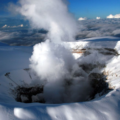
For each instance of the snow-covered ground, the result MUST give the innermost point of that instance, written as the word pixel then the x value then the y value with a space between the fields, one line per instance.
pixel 14 62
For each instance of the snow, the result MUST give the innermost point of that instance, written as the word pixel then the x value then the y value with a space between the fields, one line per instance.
pixel 13 58
pixel 105 108
pixel 16 61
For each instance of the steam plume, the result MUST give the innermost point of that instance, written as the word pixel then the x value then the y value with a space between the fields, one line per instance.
pixel 51 15
pixel 53 61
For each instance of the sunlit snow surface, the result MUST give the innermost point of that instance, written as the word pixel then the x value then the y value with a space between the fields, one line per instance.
pixel 16 59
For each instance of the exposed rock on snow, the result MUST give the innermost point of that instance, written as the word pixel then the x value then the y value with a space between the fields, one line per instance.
pixel 105 51
pixel 29 94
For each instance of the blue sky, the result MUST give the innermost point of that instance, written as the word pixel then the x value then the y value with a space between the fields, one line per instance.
pixel 94 8
pixel 82 8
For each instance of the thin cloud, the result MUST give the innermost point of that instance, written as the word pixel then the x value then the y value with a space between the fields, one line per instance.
pixel 6 26
pixel 99 28
pixel 81 18
pixel 113 16
pixel 98 18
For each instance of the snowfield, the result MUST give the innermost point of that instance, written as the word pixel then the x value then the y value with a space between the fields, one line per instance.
pixel 14 62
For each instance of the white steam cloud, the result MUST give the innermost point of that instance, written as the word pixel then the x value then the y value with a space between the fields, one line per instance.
pixel 52 61
pixel 51 15
pixel 57 68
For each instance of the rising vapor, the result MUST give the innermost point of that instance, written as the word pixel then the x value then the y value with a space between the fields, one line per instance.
pixel 53 61
pixel 52 15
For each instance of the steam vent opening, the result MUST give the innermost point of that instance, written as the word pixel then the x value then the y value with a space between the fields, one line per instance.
pixel 87 83
pixel 36 93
